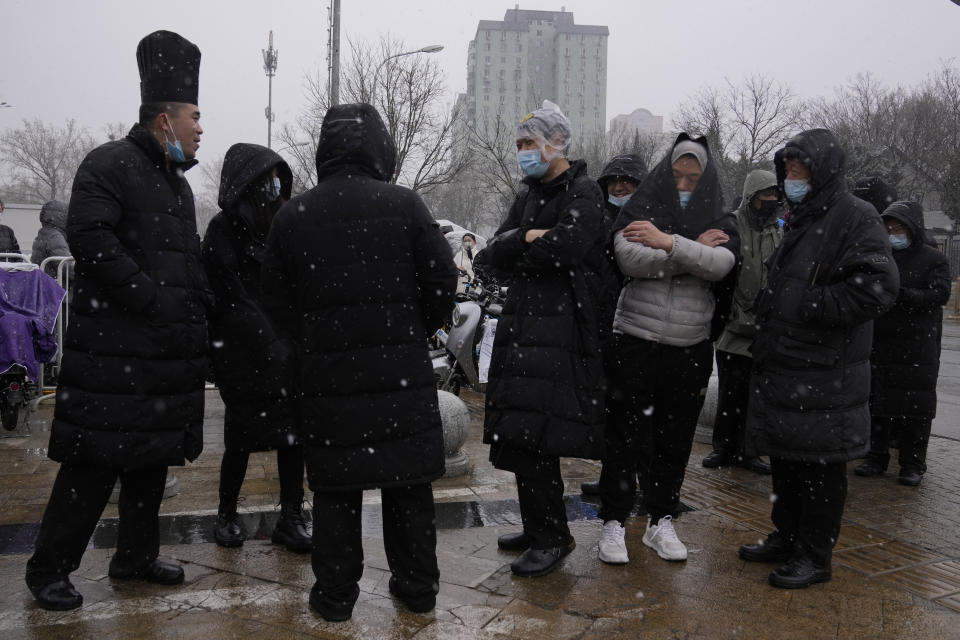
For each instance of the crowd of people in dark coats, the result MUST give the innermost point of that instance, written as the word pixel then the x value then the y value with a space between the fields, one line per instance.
pixel 619 290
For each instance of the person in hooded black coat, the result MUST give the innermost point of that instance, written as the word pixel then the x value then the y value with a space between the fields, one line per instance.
pixel 356 277
pixel 618 180
pixel 250 363
pixel 905 360
pixel 130 398
pixel 8 239
pixel 678 248
pixel 830 277
pixel 545 395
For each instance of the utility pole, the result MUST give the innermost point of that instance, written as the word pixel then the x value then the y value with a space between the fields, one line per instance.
pixel 333 52
pixel 270 56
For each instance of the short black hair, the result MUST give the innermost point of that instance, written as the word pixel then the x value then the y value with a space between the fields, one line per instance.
pixel 469 235
pixel 150 110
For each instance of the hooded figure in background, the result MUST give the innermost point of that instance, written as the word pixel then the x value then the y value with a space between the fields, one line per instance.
pixel 356 278
pixel 545 398
pixel 905 360
pixel 130 398
pixel 876 191
pixel 251 365
pixel 760 232
pixel 51 240
pixel 675 244
pixel 619 180
pixel 831 276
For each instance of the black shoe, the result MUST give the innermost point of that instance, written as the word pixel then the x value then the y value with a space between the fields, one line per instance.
pixel 755 464
pixel 800 572
pixel 157 572
pixel 869 468
pixel 716 458
pixel 58 596
pixel 291 530
pixel 590 488
pixel 776 548
pixel 513 542
pixel 540 562
pixel 227 531
pixel 423 604
pixel 910 477
pixel 339 612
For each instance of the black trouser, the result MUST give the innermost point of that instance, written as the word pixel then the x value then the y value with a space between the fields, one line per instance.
pixel 808 503
pixel 233 469
pixel 409 537
pixel 79 495
pixel 542 511
pixel 733 393
pixel 914 436
pixel 656 417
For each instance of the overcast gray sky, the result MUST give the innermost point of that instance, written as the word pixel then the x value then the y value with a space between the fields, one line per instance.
pixel 75 59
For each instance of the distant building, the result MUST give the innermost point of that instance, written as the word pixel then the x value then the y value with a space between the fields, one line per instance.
pixel 640 120
pixel 529 56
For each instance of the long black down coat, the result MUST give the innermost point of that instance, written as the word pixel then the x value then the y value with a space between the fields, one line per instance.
pixel 827 281
pixel 357 275
pixel 135 358
pixel 906 340
pixel 546 389
pixel 250 363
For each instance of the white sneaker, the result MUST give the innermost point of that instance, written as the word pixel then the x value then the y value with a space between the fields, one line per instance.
pixel 613 549
pixel 662 538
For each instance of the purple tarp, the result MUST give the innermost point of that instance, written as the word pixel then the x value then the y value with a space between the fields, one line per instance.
pixel 29 304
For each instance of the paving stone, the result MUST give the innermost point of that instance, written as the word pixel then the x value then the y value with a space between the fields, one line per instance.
pixel 524 621
pixel 929 581
pixel 885 557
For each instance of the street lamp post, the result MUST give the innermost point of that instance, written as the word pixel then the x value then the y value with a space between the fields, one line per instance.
pixel 270 56
pixel 433 48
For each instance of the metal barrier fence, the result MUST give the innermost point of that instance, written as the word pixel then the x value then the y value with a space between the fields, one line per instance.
pixel 64 265
pixel 950 246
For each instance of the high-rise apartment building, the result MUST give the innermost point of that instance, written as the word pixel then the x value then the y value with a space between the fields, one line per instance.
pixel 529 56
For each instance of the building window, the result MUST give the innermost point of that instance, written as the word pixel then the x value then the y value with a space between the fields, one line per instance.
pixel 486 59
pixel 487 34
pixel 503 59
pixel 539 32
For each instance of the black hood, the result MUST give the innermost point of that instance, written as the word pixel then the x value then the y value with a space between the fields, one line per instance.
pixel 820 150
pixel 629 165
pixel 910 215
pixel 54 214
pixel 875 191
pixel 244 163
pixel 354 135
pixel 657 200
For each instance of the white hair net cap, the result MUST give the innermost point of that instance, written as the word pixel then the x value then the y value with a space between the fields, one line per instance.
pixel 546 123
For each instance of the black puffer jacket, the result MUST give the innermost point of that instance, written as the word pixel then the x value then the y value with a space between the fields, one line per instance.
pixel 906 340
pixel 251 365
pixel 8 240
pixel 829 278
pixel 356 276
pixel 546 389
pixel 131 389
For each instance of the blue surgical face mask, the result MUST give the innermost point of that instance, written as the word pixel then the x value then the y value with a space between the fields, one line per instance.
pixel 273 189
pixel 796 190
pixel 530 163
pixel 899 241
pixel 174 150
pixel 618 201
pixel 684 198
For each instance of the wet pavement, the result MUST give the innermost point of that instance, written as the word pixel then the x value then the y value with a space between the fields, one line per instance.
pixel 896 571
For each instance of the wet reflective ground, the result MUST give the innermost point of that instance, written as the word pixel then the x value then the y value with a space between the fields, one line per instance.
pixel 896 569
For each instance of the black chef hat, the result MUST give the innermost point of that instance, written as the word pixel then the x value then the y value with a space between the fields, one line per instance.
pixel 169 68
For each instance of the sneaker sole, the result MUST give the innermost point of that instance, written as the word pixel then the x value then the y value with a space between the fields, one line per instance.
pixel 659 553
pixel 616 560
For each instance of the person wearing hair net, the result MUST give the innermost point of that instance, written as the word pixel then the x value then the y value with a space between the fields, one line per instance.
pixel 545 397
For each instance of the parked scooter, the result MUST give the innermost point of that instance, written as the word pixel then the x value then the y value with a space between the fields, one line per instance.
pixel 460 351
pixel 16 390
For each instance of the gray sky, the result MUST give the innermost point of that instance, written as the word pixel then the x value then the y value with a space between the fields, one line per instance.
pixel 75 59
